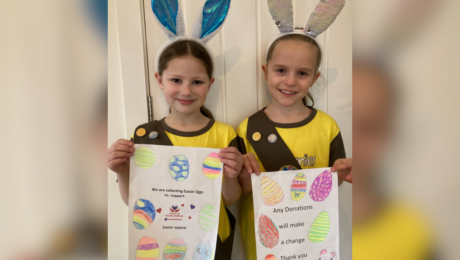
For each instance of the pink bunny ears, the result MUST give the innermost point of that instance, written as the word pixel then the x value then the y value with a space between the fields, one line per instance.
pixel 321 18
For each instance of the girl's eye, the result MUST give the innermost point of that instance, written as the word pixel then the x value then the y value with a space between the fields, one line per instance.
pixel 303 73
pixel 175 80
pixel 280 70
pixel 197 82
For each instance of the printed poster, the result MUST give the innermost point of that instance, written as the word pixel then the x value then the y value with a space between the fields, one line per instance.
pixel 296 214
pixel 174 202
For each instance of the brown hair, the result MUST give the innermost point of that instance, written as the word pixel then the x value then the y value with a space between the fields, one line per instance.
pixel 301 38
pixel 187 48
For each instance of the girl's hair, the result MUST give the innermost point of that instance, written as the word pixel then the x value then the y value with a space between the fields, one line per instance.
pixel 301 38
pixel 187 48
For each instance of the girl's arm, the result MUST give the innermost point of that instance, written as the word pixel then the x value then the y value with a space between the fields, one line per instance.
pixel 250 166
pixel 344 169
pixel 233 162
pixel 118 161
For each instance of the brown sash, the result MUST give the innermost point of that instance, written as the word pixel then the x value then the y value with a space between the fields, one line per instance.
pixel 274 156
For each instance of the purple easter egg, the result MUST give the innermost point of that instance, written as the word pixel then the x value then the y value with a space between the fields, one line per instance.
pixel 322 186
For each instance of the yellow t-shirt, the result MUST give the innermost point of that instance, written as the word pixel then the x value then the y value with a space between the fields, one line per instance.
pixel 214 135
pixel 397 232
pixel 315 142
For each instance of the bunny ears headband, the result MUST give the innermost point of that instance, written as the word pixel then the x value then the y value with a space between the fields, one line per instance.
pixel 321 18
pixel 170 18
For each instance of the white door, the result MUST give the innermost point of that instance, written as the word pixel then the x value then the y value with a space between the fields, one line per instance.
pixel 239 89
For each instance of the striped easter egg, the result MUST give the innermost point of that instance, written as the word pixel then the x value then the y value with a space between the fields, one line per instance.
pixel 268 232
pixel 175 249
pixel 322 186
pixel 143 214
pixel 179 168
pixel 147 249
pixel 208 218
pixel 298 186
pixel 319 228
pixel 212 166
pixel 271 257
pixel 144 157
pixel 271 191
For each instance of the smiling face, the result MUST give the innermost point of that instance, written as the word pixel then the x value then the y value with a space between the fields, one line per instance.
pixel 185 83
pixel 291 71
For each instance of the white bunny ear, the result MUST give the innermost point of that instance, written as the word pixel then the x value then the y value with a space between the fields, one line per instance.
pixel 169 16
pixel 211 20
pixel 281 11
pixel 323 16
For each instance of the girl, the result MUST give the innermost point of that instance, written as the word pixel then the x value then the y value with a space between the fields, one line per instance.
pixel 185 75
pixel 288 134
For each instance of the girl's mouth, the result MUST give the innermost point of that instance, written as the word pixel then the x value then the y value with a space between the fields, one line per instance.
pixel 287 93
pixel 186 101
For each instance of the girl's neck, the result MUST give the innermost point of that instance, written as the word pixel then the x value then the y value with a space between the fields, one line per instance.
pixel 186 122
pixel 287 115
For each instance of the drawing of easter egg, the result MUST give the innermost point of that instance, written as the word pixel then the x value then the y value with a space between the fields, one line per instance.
pixel 271 257
pixel 147 249
pixel 319 228
pixel 203 252
pixel 298 186
pixel 322 186
pixel 212 166
pixel 175 249
pixel 268 232
pixel 143 214
pixel 288 168
pixel 144 157
pixel 271 191
pixel 179 168
pixel 208 218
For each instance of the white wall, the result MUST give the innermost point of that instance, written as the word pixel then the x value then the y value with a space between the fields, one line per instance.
pixel 239 89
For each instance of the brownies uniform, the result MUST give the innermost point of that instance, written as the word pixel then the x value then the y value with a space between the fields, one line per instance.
pixel 314 142
pixel 213 135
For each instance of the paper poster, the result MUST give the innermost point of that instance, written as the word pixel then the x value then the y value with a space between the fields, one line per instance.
pixel 174 202
pixel 296 214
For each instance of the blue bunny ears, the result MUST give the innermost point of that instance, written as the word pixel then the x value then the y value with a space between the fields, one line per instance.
pixel 169 16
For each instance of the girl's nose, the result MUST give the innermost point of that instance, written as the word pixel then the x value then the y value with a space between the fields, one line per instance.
pixel 186 90
pixel 290 80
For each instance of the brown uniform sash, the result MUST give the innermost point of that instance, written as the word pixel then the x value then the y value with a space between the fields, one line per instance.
pixel 274 156
pixel 223 250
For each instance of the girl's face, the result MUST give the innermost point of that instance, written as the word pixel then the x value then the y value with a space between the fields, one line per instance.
pixel 291 72
pixel 185 84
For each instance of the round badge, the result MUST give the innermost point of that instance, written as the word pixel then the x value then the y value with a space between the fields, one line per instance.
pixel 288 168
pixel 256 136
pixel 140 132
pixel 272 138
pixel 153 135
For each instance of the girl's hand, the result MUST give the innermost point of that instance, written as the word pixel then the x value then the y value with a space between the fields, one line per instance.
pixel 233 161
pixel 250 165
pixel 119 154
pixel 344 169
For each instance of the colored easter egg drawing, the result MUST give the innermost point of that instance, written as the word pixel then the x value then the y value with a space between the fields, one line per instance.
pixel 271 191
pixel 208 217
pixel 143 214
pixel 322 186
pixel 271 257
pixel 144 157
pixel 175 250
pixel 179 168
pixel 327 254
pixel 288 168
pixel 147 249
pixel 320 228
pixel 268 232
pixel 298 186
pixel 203 252
pixel 212 166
